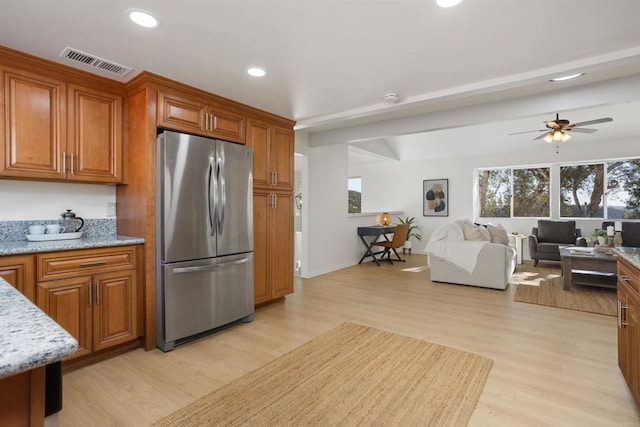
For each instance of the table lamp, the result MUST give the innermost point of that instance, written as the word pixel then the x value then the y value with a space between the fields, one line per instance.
pixel 385 219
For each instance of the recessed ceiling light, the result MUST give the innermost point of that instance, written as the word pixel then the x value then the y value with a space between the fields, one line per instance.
pixel 447 3
pixel 256 72
pixel 563 78
pixel 142 18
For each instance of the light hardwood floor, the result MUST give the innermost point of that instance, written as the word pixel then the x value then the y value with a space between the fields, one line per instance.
pixel 552 367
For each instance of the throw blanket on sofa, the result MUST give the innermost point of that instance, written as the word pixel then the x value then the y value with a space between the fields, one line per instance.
pixel 448 244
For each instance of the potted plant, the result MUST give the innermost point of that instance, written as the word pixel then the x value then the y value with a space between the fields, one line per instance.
pixel 411 231
pixel 599 237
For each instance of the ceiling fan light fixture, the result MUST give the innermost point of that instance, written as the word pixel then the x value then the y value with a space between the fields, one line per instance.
pixel 548 138
pixel 569 77
pixel 557 135
pixel 566 137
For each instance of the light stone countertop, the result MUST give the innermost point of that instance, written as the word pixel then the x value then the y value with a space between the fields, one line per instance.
pixel 29 338
pixel 631 255
pixel 26 247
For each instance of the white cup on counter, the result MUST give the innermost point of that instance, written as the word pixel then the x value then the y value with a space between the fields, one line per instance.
pixel 36 229
pixel 54 229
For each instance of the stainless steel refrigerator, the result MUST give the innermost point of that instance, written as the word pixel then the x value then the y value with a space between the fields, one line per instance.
pixel 204 236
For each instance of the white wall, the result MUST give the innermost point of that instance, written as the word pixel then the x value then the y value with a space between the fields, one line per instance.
pixel 35 200
pixel 332 239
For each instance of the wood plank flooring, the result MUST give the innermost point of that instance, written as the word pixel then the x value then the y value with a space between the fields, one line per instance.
pixel 552 367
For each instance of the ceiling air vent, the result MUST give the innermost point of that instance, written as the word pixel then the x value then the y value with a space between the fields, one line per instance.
pixel 93 61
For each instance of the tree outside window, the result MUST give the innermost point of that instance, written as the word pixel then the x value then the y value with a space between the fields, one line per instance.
pixel 494 190
pixel 623 189
pixel 531 192
pixel 581 191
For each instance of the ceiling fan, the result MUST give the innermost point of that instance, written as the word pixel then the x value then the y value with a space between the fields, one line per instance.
pixel 556 130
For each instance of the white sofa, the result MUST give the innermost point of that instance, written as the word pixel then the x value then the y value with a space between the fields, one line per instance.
pixel 465 254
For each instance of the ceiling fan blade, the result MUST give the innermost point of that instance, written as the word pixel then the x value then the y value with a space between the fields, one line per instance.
pixel 593 122
pixel 529 131
pixel 541 136
pixel 552 125
pixel 584 130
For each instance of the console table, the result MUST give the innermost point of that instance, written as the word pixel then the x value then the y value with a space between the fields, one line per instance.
pixel 374 231
pixel 592 268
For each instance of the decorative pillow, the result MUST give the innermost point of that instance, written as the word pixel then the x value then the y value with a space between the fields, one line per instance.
pixel 474 232
pixel 498 234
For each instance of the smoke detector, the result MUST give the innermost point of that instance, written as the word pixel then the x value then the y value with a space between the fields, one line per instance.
pixel 391 98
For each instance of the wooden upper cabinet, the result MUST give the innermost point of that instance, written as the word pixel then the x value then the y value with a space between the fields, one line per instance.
pixel 283 151
pixel 196 116
pixel 94 136
pixel 59 130
pixel 273 150
pixel 259 138
pixel 33 126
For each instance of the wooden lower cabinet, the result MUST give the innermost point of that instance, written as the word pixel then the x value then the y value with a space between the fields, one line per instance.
pixel 18 270
pixel 98 308
pixel 628 330
pixel 273 245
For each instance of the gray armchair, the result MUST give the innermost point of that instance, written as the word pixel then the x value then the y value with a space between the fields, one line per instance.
pixel 548 236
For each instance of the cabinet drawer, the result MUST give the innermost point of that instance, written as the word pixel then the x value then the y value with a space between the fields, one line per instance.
pixel 57 265
pixel 628 275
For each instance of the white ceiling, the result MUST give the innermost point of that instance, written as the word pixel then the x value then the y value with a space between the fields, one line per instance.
pixel 330 62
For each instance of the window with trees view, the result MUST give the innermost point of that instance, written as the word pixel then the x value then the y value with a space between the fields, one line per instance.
pixel 604 190
pixel 608 190
pixel 525 192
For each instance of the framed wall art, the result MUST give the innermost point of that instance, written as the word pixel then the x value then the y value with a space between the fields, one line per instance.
pixel 435 197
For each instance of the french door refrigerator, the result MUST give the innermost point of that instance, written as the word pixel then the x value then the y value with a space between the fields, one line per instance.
pixel 204 236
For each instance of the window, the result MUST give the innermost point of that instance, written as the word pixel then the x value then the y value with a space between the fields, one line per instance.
pixel 494 190
pixel 531 192
pixel 354 185
pixel 581 191
pixel 605 190
pixel 623 190
pixel 528 189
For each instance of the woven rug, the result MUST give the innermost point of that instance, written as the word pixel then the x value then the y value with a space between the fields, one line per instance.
pixel 543 286
pixel 350 375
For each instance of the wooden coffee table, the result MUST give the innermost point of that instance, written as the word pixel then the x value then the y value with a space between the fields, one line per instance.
pixel 592 268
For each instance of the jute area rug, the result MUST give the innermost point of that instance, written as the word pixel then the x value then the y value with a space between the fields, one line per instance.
pixel 544 286
pixel 350 375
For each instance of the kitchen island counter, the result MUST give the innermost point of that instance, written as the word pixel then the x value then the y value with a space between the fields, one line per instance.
pixel 26 247
pixel 29 337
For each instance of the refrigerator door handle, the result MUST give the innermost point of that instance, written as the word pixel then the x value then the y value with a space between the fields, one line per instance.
pixel 213 194
pixel 222 206
pixel 209 267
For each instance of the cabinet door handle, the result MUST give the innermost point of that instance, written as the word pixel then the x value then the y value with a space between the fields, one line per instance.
pixel 275 201
pixel 621 307
pixel 276 178
pixel 72 161
pixel 97 293
pixel 92 263
pixel 64 162
pixel 206 121
pixel 214 122
pixel 90 293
